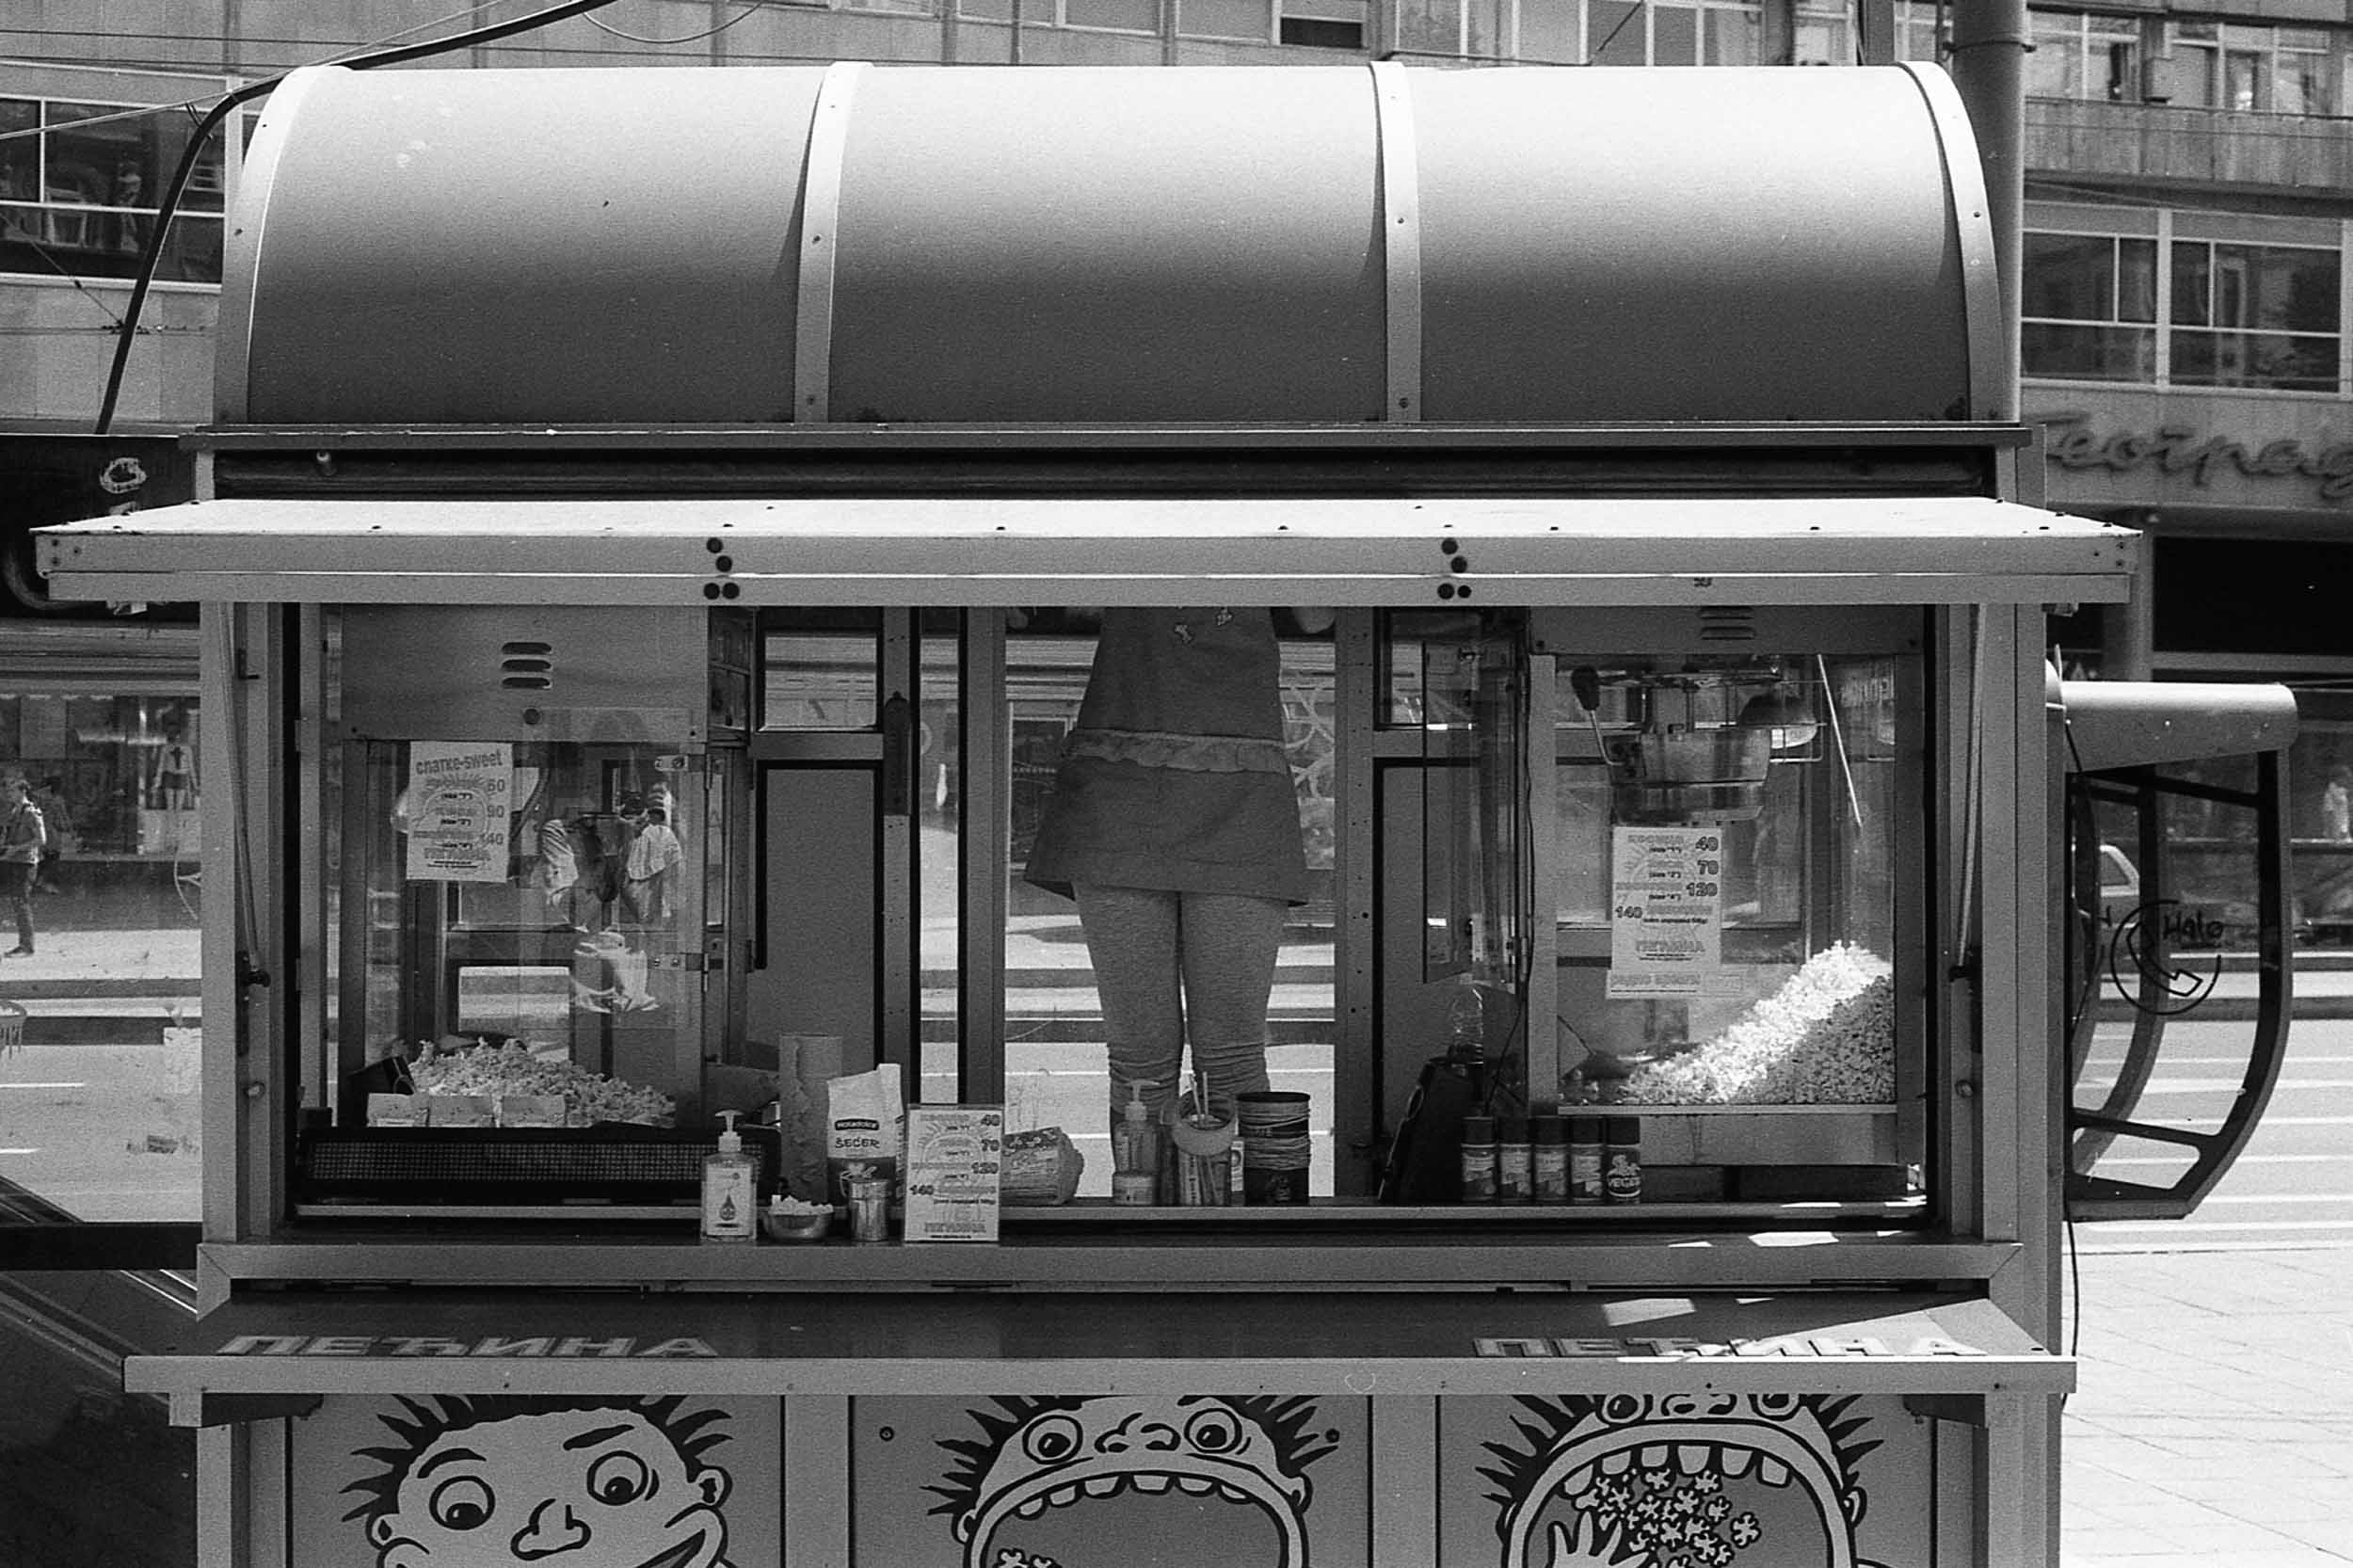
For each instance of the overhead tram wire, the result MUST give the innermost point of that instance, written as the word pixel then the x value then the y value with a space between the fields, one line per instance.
pixel 150 255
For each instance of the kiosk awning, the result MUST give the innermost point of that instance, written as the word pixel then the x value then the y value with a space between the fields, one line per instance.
pixel 899 551
pixel 1412 1343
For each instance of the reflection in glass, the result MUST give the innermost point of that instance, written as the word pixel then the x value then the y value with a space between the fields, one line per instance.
pixel 821 674
pixel 100 1025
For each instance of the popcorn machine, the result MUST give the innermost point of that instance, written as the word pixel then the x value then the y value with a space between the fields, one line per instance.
pixel 1674 762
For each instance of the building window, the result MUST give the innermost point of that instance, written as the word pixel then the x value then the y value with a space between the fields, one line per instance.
pixel 2192 313
pixel 2090 307
pixel 2252 68
pixel 1923 31
pixel 1587 32
pixel 2079 56
pixel 2254 315
pixel 79 185
pixel 1821 36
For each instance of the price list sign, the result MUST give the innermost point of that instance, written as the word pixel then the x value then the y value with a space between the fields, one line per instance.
pixel 956 1157
pixel 1666 911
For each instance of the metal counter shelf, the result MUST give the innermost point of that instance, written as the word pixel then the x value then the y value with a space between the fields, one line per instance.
pixel 1155 1258
pixel 263 1358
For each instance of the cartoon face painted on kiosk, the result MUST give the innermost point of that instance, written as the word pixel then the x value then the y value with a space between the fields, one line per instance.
pixel 1703 1479
pixel 493 1481
pixel 1194 1479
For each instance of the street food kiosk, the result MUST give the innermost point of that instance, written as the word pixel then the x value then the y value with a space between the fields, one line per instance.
pixel 737 446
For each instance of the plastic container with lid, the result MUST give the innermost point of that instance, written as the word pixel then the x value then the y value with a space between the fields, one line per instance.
pixel 1515 1174
pixel 1478 1160
pixel 1548 1155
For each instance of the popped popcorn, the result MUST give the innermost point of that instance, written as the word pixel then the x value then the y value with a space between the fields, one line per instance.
pixel 513 1068
pixel 1826 1037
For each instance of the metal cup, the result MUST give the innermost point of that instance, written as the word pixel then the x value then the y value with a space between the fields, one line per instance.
pixel 869 1207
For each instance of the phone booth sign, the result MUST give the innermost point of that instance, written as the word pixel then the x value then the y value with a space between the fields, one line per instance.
pixel 665 610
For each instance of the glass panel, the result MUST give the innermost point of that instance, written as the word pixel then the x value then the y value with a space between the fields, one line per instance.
pixel 2091 353
pixel 1129 16
pixel 2284 287
pixel 1057 1059
pixel 985 11
pixel 102 1030
pixel 2272 360
pixel 1822 40
pixel 2193 284
pixel 1548 35
pixel 528 906
pixel 1732 37
pixel 1423 26
pixel 938 857
pixel 1487 20
pixel 2300 84
pixel 2071 277
pixel 1918 31
pixel 2054 67
pixel 2242 79
pixel 2136 280
pixel 1615 34
pixel 1242 19
pixel 1765 976
pixel 821 672
pixel 1674 36
pixel 20 153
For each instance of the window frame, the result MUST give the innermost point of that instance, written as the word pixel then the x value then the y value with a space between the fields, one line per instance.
pixel 2170 333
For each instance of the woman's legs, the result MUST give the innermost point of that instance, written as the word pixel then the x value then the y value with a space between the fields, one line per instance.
pixel 1227 943
pixel 1170 966
pixel 1132 940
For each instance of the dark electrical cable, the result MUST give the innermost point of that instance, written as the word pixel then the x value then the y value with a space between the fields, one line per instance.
pixel 151 255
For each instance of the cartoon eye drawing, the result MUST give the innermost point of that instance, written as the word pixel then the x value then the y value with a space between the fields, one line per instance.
pixel 618 1479
pixel 1214 1431
pixel 1624 1409
pixel 461 1503
pixel 1776 1405
pixel 1052 1440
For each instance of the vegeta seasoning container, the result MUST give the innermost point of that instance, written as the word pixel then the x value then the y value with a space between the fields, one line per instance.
pixel 1622 1161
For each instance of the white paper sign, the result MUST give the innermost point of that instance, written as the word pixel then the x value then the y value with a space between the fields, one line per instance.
pixel 455 807
pixel 954 1156
pixel 1666 911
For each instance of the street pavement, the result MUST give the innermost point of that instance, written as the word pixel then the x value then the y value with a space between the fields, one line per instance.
pixel 2212 1423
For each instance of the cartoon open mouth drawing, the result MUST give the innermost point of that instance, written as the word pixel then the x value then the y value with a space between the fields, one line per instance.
pixel 1220 1477
pixel 1693 1480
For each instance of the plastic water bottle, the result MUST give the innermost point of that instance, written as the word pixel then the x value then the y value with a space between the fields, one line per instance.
pixel 1466 1022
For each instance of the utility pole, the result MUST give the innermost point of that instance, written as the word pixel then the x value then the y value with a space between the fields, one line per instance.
pixel 1990 43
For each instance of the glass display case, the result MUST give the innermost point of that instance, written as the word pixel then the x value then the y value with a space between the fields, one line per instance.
pixel 1732 860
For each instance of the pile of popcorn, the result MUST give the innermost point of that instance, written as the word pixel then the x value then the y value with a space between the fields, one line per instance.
pixel 1827 1037
pixel 490 1070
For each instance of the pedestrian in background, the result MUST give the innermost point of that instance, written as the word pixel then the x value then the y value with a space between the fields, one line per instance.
pixel 22 838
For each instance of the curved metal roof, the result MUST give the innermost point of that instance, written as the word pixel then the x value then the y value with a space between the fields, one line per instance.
pixel 857 244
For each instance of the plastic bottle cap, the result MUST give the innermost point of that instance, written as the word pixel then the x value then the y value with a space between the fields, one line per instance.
pixel 731 1140
pixel 1549 1129
pixel 1516 1130
pixel 1479 1130
pixel 1625 1129
pixel 1585 1130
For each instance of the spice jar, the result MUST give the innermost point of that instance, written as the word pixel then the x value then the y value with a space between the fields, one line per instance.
pixel 1515 1179
pixel 1585 1164
pixel 1622 1161
pixel 1549 1157
pixel 1478 1160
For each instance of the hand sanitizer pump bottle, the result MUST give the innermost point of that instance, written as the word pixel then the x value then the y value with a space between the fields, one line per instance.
pixel 1136 1150
pixel 729 1213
